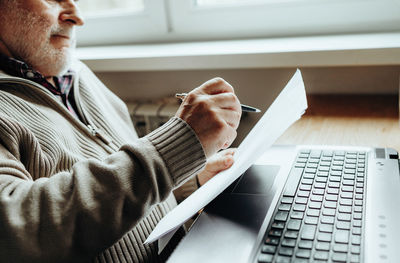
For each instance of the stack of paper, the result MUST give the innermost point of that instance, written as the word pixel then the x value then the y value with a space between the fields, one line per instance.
pixel 287 108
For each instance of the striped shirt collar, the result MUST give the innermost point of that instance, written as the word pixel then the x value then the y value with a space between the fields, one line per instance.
pixel 63 84
pixel 21 69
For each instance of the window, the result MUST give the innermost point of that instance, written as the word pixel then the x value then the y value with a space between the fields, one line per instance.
pixel 121 21
pixel 110 7
pixel 190 20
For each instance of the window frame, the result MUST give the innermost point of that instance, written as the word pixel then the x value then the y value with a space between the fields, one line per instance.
pixel 182 20
pixel 134 27
pixel 266 20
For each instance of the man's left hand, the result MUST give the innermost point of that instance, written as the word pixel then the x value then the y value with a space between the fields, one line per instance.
pixel 217 163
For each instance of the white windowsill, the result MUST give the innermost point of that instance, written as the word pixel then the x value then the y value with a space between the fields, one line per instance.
pixel 340 50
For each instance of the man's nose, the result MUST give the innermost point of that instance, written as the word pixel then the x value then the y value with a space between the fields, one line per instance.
pixel 71 13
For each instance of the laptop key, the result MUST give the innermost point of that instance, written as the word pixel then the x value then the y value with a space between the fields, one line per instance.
pixel 283 259
pixel 356 230
pixel 346 195
pixel 358 202
pixel 328 212
pixel 275 233
pixel 323 246
pixel 357 223
pixel 334 184
pixel 307 181
pixel 265 258
pixel 286 251
pixel 334 191
pixel 287 200
pixel 313 164
pixel 308 232
pixel 354 258
pixel 330 204
pixel 356 240
pixel 292 182
pixel 294 224
pixel 301 200
pixel 291 234
pixel 327 228
pixel 299 207
pixel 347 188
pixel 300 165
pixel 343 225
pixel 320 185
pixel 321 255
pixel 272 241
pixel 303 193
pixel 355 249
pixel 334 179
pixel 348 182
pixel 325 237
pixel 336 173
pixel 297 215
pixel 303 253
pixel 340 248
pixel 344 217
pixel 323 173
pixel 357 216
pixel 345 209
pixel 308 176
pixel 284 207
pixel 305 187
pixel 317 198
pixel 313 212
pixel 331 197
pixel 318 191
pixel 321 179
pixel 315 205
pixel 288 242
pixel 349 176
pixel 328 219
pixel 306 244
pixel 268 249
pixel 339 257
pixel 342 236
pixel 311 220
pixel 281 216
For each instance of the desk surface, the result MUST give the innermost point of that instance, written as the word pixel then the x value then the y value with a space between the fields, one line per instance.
pixel 363 120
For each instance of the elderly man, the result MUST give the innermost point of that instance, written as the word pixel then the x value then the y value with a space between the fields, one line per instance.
pixel 76 184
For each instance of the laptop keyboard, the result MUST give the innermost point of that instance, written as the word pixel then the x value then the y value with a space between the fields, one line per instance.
pixel 319 217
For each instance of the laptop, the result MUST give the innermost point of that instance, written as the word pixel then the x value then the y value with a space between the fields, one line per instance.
pixel 303 204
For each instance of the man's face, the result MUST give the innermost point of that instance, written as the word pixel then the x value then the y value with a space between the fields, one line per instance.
pixel 40 32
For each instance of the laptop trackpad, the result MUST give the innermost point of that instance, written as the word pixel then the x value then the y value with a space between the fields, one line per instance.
pixel 231 222
pixel 258 179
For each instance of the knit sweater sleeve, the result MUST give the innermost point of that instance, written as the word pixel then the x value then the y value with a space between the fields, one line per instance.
pixel 71 216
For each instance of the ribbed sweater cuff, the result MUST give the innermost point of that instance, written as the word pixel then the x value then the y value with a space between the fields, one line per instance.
pixel 180 148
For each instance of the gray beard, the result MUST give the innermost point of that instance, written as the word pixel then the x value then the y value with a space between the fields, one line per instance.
pixel 39 53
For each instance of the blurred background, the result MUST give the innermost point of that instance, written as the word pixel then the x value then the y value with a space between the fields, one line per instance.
pixel 147 50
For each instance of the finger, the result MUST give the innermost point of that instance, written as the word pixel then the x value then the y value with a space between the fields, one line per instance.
pixel 214 166
pixel 216 86
pixel 229 151
pixel 219 164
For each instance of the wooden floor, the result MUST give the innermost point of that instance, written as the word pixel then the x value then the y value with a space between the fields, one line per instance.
pixel 363 120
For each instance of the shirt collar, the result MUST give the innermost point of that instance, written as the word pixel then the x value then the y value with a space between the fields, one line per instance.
pixel 21 69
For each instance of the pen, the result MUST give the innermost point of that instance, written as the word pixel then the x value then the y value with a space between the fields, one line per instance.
pixel 245 108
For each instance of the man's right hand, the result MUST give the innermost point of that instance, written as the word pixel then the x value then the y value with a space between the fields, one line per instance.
pixel 213 111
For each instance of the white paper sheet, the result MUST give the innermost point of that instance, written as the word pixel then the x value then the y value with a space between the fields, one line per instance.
pixel 287 108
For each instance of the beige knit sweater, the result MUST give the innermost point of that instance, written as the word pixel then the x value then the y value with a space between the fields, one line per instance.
pixel 70 190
